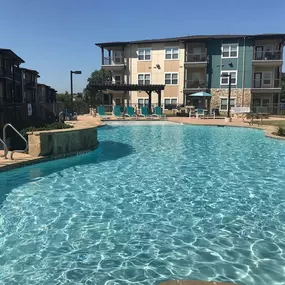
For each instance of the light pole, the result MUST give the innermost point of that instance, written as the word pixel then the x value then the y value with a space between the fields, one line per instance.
pixel 229 75
pixel 71 84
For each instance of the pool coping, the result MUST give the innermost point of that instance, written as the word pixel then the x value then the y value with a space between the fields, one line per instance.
pixel 42 159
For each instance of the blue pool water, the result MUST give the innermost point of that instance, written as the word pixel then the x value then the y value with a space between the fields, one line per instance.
pixel 152 203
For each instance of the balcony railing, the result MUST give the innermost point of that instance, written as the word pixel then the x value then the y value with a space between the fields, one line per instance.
pixel 30 83
pixel 267 55
pixel 196 57
pixel 113 60
pixel 259 83
pixel 6 72
pixel 195 84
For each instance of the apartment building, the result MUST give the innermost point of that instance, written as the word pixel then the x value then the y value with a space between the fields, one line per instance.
pixel 10 77
pixel 190 64
pixel 18 92
pixel 45 94
pixel 29 85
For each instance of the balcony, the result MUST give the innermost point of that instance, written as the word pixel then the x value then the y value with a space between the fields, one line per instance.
pixel 30 84
pixel 267 58
pixel 18 76
pixel 196 60
pixel 6 72
pixel 264 86
pixel 113 63
pixel 195 85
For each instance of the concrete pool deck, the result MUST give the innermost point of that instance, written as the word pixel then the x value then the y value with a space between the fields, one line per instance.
pixel 22 159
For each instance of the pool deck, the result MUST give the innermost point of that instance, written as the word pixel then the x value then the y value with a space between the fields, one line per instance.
pixel 22 159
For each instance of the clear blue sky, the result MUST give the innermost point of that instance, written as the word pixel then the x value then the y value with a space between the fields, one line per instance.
pixel 55 36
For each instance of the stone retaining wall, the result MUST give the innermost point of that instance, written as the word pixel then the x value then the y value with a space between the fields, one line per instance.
pixel 237 93
pixel 56 142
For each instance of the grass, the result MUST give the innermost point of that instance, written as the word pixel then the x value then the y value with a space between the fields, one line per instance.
pixel 277 123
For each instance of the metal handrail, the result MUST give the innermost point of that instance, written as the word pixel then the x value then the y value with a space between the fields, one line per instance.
pixel 4 138
pixel 5 148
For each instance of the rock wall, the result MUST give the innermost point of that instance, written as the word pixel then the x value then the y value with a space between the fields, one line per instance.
pixel 236 93
pixel 56 142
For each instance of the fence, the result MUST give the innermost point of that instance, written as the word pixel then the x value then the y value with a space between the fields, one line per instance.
pixel 24 115
pixel 277 109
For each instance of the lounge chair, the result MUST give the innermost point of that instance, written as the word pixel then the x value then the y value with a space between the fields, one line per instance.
pixel 158 112
pixel 117 111
pixel 131 112
pixel 200 113
pixel 101 112
pixel 144 112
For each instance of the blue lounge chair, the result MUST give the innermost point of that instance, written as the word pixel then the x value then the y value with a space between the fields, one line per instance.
pixel 158 112
pixel 144 112
pixel 131 112
pixel 101 112
pixel 117 111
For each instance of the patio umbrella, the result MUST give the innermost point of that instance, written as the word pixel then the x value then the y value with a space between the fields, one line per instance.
pixel 204 95
pixel 201 94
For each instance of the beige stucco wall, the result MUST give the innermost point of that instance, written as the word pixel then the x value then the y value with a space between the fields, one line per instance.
pixel 66 141
pixel 157 67
pixel 237 93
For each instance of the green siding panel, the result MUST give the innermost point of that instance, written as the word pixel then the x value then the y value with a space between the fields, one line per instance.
pixel 217 64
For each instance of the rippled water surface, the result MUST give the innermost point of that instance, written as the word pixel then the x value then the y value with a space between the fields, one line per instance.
pixel 152 203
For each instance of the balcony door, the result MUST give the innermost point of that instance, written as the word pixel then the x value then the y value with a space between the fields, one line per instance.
pixel 197 51
pixel 259 52
pixel 257 80
pixel 196 79
pixel 117 57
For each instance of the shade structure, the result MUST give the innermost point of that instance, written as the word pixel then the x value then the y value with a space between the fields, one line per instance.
pixel 201 94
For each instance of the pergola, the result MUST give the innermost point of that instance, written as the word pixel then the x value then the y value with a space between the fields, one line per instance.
pixel 148 88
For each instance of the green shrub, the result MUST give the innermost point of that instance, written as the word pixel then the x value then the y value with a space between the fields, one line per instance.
pixel 53 126
pixel 280 132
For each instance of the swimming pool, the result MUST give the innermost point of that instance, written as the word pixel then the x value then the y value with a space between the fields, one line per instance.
pixel 151 203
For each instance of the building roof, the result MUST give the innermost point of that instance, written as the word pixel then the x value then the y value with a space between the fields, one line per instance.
pixel 12 54
pixel 41 84
pixel 30 70
pixel 189 38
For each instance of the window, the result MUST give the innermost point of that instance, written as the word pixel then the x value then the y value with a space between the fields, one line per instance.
pixel 144 54
pixel 225 79
pixel 229 50
pixel 144 78
pixel 142 103
pixel 224 103
pixel 171 78
pixel 171 53
pixel 170 104
pixel 117 79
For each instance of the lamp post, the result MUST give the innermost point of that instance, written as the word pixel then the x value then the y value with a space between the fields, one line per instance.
pixel 229 75
pixel 71 84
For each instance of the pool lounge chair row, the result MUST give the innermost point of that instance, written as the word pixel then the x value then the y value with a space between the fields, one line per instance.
pixel 130 112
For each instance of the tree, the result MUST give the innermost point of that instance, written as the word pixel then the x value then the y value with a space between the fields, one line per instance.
pixel 63 97
pixel 96 77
